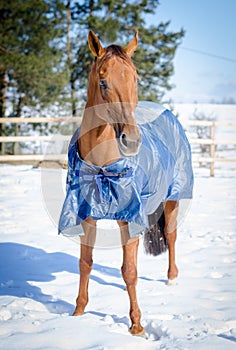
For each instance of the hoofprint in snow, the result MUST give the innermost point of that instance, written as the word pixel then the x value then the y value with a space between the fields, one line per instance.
pixel 39 274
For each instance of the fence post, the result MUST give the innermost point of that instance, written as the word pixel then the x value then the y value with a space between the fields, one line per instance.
pixel 2 144
pixel 16 144
pixel 212 149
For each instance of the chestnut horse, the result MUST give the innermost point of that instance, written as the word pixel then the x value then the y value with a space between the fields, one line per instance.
pixel 105 137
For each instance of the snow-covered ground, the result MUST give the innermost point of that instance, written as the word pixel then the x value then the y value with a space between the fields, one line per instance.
pixel 39 274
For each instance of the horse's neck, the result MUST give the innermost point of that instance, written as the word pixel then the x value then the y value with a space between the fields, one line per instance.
pixel 97 141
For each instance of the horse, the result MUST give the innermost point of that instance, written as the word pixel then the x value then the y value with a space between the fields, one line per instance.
pixel 107 139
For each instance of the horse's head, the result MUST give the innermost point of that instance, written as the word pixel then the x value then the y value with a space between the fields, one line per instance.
pixel 112 91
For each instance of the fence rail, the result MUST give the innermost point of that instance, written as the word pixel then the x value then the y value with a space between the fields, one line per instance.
pixel 212 141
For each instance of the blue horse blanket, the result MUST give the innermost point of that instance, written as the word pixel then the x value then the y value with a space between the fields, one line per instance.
pixel 131 188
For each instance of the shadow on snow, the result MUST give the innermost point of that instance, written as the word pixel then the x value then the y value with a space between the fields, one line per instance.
pixel 20 264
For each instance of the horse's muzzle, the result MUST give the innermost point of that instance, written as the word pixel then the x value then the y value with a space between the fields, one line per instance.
pixel 129 143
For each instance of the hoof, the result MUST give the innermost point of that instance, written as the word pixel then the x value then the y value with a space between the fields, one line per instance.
pixel 172 282
pixel 137 330
pixel 79 311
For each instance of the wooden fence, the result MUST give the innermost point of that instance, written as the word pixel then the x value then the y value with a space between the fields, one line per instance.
pixel 6 158
pixel 212 141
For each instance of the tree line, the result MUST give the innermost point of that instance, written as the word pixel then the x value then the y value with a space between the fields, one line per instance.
pixel 45 60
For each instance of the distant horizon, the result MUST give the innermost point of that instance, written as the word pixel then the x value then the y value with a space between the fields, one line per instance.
pixel 204 103
pixel 230 102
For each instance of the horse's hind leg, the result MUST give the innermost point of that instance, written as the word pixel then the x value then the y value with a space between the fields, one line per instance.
pixel 171 212
pixel 129 273
pixel 85 264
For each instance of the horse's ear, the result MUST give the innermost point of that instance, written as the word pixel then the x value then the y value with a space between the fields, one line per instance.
pixel 95 45
pixel 131 47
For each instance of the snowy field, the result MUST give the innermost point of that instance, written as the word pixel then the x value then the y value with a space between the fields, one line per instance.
pixel 39 274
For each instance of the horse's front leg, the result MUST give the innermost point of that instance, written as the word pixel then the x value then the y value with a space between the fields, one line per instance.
pixel 130 276
pixel 85 264
pixel 171 212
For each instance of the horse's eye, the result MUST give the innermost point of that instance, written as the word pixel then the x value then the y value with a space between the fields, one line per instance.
pixel 103 84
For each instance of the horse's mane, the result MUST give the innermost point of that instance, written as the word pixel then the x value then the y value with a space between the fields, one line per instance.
pixel 116 50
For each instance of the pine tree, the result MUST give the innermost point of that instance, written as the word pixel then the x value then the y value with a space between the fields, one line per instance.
pixel 32 71
pixel 43 48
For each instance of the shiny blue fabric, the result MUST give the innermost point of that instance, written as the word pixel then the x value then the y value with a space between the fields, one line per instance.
pixel 130 188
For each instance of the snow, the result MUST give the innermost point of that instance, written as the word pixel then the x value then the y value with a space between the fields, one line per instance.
pixel 39 274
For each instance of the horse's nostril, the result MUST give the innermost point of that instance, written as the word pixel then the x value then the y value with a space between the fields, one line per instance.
pixel 129 144
pixel 124 140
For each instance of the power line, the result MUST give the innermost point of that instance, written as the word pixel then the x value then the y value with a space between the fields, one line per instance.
pixel 208 54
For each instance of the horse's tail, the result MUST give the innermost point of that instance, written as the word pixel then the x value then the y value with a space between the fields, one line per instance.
pixel 154 237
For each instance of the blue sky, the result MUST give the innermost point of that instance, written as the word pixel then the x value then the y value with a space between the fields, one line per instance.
pixel 210 27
